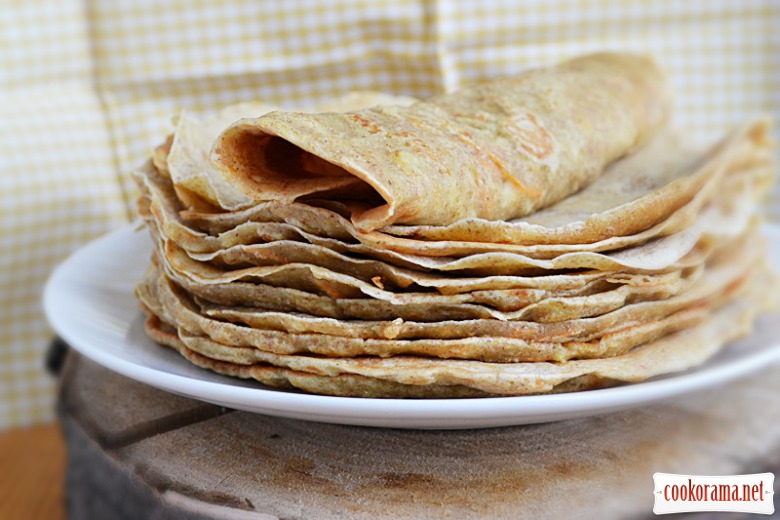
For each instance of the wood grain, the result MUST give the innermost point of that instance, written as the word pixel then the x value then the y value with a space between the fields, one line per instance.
pixel 32 462
pixel 194 460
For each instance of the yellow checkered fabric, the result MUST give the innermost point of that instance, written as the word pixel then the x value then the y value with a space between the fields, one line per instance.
pixel 88 87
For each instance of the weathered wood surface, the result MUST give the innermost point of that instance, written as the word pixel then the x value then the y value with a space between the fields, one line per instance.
pixel 136 452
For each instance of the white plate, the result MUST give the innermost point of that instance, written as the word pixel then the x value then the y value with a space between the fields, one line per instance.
pixel 89 301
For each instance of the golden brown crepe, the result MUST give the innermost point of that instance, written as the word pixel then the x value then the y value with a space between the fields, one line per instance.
pixel 490 340
pixel 657 191
pixel 544 233
pixel 184 157
pixel 497 150
pixel 431 377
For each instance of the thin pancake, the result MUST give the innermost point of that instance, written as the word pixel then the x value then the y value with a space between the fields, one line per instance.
pixel 496 150
pixel 185 157
pixel 487 340
pixel 421 307
pixel 694 187
pixel 719 274
pixel 670 353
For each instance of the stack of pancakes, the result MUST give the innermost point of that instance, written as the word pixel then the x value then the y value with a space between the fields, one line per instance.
pixel 545 233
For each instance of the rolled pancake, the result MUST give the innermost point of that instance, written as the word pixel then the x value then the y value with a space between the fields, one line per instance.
pixel 640 191
pixel 671 353
pixel 198 188
pixel 185 154
pixel 497 150
pixel 669 193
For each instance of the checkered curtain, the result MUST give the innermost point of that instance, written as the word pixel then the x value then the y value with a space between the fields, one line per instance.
pixel 87 88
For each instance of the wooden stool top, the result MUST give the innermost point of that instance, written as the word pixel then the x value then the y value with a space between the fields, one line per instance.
pixel 220 463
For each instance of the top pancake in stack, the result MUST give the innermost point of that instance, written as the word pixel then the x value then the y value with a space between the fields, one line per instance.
pixel 534 234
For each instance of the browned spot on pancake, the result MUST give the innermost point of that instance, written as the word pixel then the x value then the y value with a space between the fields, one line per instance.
pixel 365 123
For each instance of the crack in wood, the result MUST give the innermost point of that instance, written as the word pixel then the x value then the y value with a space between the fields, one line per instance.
pixel 74 402
pixel 162 425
